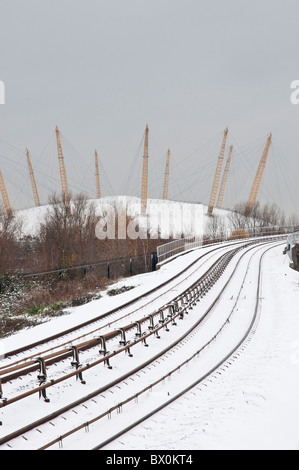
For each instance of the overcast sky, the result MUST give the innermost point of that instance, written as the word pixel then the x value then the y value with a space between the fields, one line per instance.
pixel 102 69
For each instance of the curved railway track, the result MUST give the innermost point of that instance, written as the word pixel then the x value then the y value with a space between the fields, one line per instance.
pixel 132 305
pixel 147 329
pixel 219 367
pixel 51 354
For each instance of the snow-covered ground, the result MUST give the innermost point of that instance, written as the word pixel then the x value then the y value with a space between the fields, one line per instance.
pixel 142 283
pixel 252 405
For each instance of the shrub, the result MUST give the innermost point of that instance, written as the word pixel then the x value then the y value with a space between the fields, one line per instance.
pixel 120 290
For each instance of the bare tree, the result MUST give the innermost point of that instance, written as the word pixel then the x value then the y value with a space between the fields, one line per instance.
pixel 214 228
pixel 268 215
pixel 237 217
pixel 67 238
pixel 10 230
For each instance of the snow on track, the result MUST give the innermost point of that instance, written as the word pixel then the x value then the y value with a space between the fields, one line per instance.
pixel 254 403
pixel 189 431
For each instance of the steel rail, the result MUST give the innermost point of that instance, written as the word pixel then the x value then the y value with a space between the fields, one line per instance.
pixel 29 364
pixel 161 379
pixel 202 378
pixel 27 428
pixel 116 309
pixel 53 382
pixel 151 359
pixel 107 357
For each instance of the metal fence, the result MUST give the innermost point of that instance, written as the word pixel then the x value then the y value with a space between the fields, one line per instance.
pixel 111 269
pixel 175 247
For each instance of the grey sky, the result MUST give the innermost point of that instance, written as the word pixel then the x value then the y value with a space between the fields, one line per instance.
pixel 101 70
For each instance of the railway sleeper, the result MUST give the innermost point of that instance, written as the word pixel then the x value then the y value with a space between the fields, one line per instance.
pixel 171 314
pixel 183 306
pixel 152 326
pixel 76 363
pixel 203 288
pixel 163 319
pixel 103 351
pixel 182 301
pixel 42 377
pixel 196 295
pixel 123 341
pixel 175 306
pixel 139 333
pixel 182 312
pixel 185 299
pixel 190 296
pixel 210 283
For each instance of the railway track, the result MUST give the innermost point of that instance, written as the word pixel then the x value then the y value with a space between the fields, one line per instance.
pixel 51 353
pixel 141 331
pixel 133 305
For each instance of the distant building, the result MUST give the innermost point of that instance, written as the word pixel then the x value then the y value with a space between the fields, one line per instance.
pixel 293 250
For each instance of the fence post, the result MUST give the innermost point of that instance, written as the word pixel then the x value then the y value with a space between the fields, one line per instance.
pixel 131 267
pixel 154 260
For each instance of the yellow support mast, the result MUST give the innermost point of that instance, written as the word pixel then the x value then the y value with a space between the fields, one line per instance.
pixel 97 175
pixel 64 184
pixel 224 179
pixel 5 197
pixel 144 173
pixel 166 177
pixel 217 175
pixel 33 182
pixel 258 177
